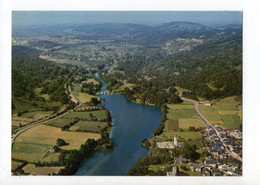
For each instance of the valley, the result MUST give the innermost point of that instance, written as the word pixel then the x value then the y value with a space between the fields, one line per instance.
pixel 57 95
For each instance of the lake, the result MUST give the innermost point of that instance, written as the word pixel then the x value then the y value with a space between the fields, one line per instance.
pixel 131 123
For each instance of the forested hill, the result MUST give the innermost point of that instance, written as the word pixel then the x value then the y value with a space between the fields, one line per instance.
pixel 206 61
pixel 210 70
pixel 30 73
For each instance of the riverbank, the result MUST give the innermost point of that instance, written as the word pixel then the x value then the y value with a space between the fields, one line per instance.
pixel 131 123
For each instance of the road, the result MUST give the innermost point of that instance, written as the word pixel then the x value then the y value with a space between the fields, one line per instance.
pixel 209 124
pixel 46 121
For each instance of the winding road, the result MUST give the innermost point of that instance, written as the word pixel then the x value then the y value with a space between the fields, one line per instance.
pixel 209 124
pixel 46 121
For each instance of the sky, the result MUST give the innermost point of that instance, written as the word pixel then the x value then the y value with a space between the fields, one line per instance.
pixel 25 18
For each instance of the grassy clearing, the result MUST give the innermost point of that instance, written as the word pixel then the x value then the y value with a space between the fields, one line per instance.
pixel 76 87
pixel 169 134
pixel 231 121
pixel 100 115
pixel 37 114
pixel 189 122
pixel 228 112
pixel 95 82
pixel 51 157
pixel 181 113
pixel 198 143
pixel 67 61
pixel 180 90
pixel 33 144
pixel 88 126
pixel 156 168
pixel 32 170
pixel 173 124
pixel 61 122
pixel 129 85
pixel 15 165
pixel 211 86
pixel 183 110
pixel 84 97
pixel 16 120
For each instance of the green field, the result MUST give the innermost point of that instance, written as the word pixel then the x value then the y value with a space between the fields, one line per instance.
pixel 37 114
pixel 34 144
pixel 76 87
pixel 100 115
pixel 191 122
pixel 61 122
pixel 84 97
pixel 31 106
pixel 16 120
pixel 88 126
pixel 227 112
pixel 32 170
pixel 173 124
pixel 232 121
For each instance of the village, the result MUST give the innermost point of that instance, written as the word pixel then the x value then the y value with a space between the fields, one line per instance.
pixel 218 163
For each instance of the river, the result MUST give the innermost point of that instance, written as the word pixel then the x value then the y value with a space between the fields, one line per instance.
pixel 131 122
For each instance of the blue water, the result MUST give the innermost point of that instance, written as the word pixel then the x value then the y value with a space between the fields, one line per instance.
pixel 131 122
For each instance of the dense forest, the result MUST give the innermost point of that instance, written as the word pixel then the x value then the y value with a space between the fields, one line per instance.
pixel 30 72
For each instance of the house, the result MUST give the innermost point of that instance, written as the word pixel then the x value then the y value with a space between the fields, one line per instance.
pixel 236 134
pixel 210 163
pixel 216 172
pixel 214 151
pixel 195 167
pixel 180 160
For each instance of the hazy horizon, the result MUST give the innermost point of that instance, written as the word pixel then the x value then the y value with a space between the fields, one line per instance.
pixel 40 18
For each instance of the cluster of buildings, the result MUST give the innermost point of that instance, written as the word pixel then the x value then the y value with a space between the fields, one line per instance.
pixel 222 149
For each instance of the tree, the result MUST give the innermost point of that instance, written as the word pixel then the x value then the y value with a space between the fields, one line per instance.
pixel 94 101
pixel 60 142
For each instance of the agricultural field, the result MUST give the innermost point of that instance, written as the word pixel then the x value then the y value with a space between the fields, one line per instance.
pixel 180 118
pixel 88 126
pixel 99 114
pixel 185 123
pixel 84 97
pixel 37 114
pixel 183 110
pixel 15 164
pixel 227 112
pixel 34 144
pixel 61 122
pixel 33 170
pixel 76 87
pixel 16 120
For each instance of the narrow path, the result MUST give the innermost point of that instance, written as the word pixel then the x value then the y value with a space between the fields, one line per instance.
pixel 209 124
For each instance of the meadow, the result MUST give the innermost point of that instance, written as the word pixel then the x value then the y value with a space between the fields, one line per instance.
pixel 34 144
pixel 99 114
pixel 227 112
pixel 33 170
pixel 88 126
pixel 61 122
